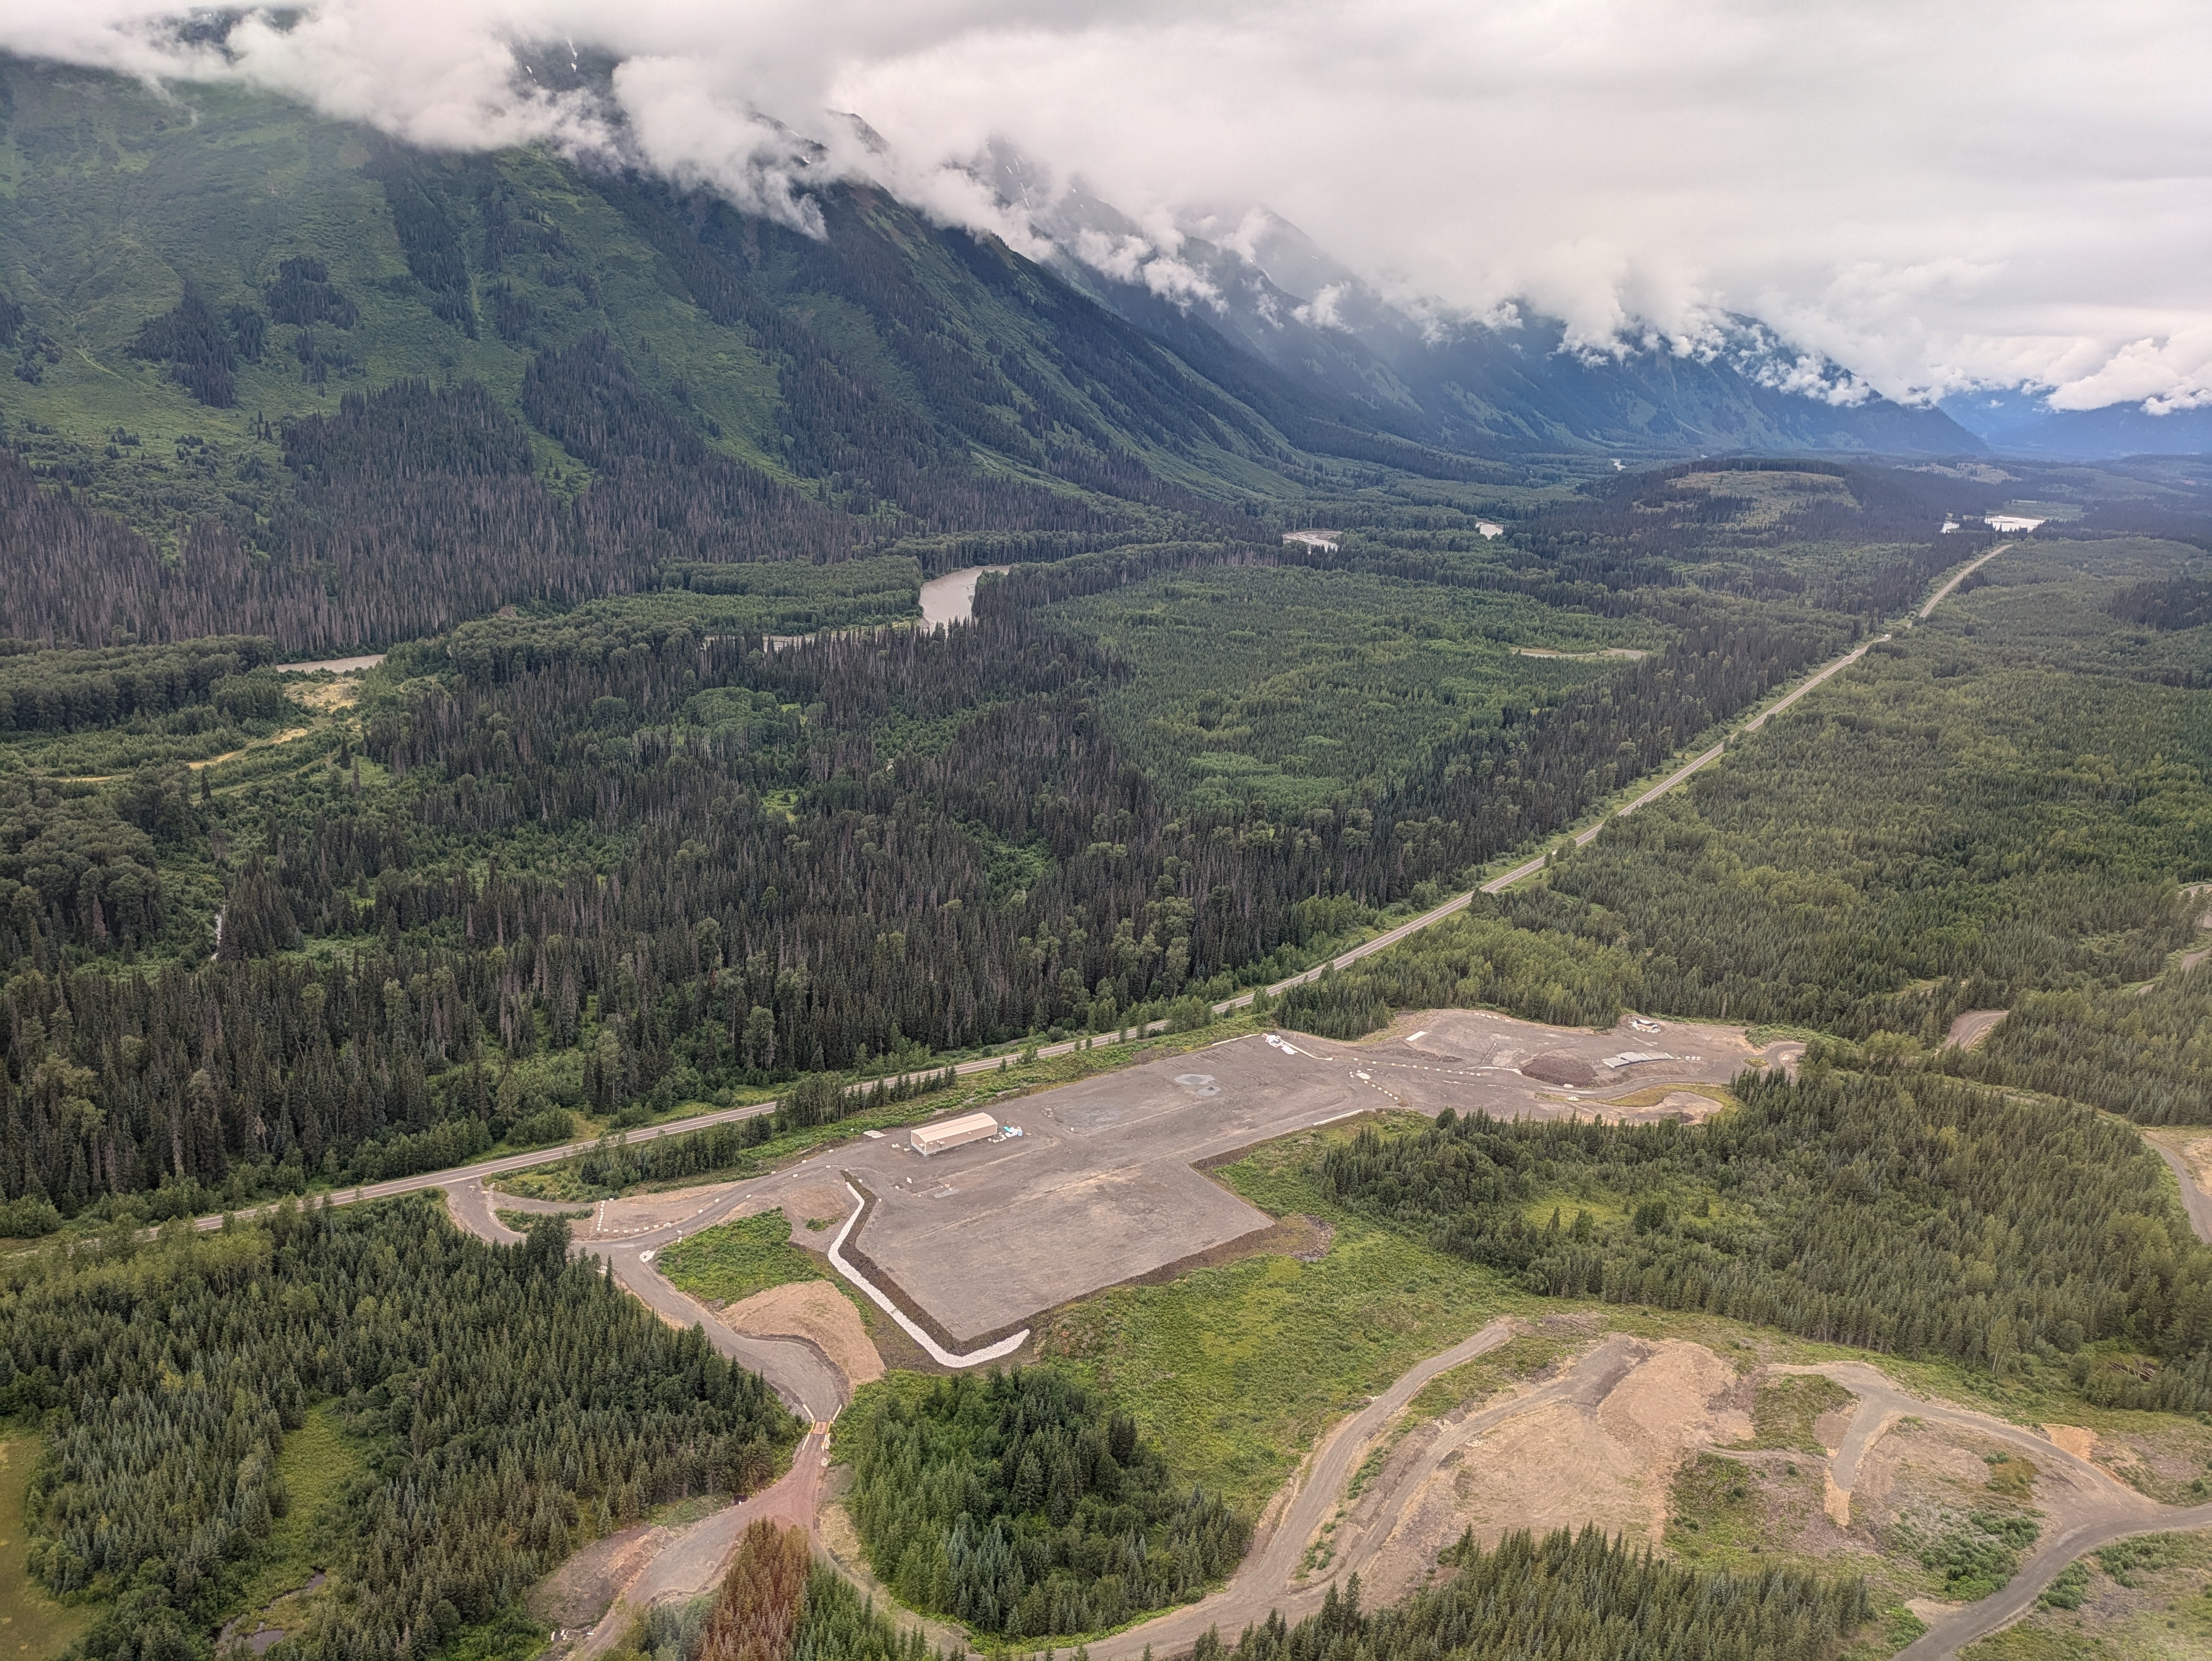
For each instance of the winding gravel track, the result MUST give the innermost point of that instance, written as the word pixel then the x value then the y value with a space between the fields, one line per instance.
pixel 796 1370
pixel 1266 1579
pixel 1950 1633
pixel 2098 1509
pixel 2194 1200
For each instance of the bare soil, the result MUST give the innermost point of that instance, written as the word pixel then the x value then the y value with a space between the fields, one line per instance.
pixel 1973 1025
pixel 583 1589
pixel 818 1312
pixel 1563 1463
pixel 2075 1439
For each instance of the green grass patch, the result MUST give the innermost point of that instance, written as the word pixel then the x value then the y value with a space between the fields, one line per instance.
pixel 1295 685
pixel 1715 1516
pixel 1979 1553
pixel 2132 1562
pixel 32 1626
pixel 1235 1370
pixel 1784 1411
pixel 732 1260
pixel 2012 1475
pixel 316 1464
pixel 2070 1590
pixel 1486 1375
pixel 511 1635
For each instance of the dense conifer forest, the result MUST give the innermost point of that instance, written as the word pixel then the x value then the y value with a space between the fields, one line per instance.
pixel 686 861
pixel 1578 1597
pixel 1911 1214
pixel 1021 1506
pixel 1998 808
pixel 506 1406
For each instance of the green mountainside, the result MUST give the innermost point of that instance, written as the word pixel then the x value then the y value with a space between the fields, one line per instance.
pixel 302 381
pixel 648 795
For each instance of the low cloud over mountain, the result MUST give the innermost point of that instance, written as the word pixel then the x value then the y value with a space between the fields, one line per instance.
pixel 1935 199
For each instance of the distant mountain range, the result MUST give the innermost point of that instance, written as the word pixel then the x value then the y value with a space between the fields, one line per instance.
pixel 2022 423
pixel 1484 387
pixel 210 265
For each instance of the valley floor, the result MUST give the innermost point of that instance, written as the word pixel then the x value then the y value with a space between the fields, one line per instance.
pixel 1720 1444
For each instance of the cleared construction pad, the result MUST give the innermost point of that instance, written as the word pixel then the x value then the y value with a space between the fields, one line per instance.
pixel 1102 1185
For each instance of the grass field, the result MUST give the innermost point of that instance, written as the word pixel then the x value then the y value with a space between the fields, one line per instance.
pixel 32 1626
pixel 1510 1362
pixel 734 1260
pixel 317 1462
pixel 1235 1370
pixel 1295 686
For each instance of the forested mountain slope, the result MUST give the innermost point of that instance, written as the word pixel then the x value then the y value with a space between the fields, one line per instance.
pixel 299 363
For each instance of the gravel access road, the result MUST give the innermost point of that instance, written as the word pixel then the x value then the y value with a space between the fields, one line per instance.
pixel 1949 1633
pixel 2095 1509
pixel 1264 1580
pixel 809 1383
pixel 1944 592
pixel 694 1562
pixel 2194 1200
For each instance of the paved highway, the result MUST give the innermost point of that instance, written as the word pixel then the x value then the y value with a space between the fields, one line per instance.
pixel 510 1163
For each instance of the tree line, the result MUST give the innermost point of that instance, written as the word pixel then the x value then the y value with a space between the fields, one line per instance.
pixel 1908 1213
pixel 1021 1506
pixel 1576 1597
pixel 509 1406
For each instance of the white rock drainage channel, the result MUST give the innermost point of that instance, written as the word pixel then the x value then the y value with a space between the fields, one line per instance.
pixel 938 1353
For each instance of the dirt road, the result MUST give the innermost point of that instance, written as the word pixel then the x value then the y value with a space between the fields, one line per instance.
pixel 2194 1200
pixel 1944 592
pixel 2094 1510
pixel 1950 1633
pixel 806 1380
pixel 694 1561
pixel 1266 1581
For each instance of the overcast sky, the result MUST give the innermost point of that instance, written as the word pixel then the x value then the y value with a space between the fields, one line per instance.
pixel 1940 193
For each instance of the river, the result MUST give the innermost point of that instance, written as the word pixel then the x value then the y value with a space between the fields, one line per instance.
pixel 945 600
pixel 952 598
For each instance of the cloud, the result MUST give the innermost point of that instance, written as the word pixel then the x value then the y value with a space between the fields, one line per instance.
pixel 1977 192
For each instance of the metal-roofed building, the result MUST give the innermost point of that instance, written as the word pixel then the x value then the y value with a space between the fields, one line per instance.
pixel 930 1139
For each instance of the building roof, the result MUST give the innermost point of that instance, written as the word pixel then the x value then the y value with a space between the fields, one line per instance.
pixel 966 1124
